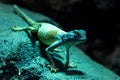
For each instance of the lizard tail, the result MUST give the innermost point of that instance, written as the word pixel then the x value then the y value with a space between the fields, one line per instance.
pixel 22 14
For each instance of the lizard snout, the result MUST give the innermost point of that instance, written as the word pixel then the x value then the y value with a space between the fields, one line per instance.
pixel 83 39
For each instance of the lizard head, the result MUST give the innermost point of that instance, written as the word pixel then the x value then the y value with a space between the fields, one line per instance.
pixel 75 37
pixel 79 35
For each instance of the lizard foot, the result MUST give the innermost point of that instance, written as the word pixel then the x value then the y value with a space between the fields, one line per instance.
pixel 72 65
pixel 53 69
pixel 15 28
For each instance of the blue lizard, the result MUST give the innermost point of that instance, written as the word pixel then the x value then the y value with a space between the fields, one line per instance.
pixel 53 36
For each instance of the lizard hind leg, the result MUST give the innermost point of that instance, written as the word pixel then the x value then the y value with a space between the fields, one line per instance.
pixel 23 28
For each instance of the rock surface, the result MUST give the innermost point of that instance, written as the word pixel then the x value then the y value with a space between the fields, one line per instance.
pixel 21 54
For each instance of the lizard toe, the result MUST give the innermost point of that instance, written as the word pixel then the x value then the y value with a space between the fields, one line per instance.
pixel 53 69
pixel 72 65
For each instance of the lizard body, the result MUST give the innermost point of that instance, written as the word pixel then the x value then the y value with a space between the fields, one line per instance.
pixel 53 36
pixel 49 33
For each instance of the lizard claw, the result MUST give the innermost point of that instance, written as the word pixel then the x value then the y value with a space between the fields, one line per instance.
pixel 72 65
pixel 53 69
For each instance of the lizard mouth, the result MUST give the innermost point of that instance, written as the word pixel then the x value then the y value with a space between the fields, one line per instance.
pixel 83 39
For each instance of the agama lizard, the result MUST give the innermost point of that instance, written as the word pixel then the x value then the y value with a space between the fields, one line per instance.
pixel 53 36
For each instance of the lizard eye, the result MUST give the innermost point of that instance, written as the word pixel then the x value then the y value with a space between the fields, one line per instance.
pixel 77 35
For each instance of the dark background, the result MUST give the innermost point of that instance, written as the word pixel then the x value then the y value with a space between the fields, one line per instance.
pixel 100 18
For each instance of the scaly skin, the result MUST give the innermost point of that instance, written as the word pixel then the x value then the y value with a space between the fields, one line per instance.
pixel 53 36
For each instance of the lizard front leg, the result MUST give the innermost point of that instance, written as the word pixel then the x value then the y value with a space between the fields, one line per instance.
pixel 67 56
pixel 48 51
pixel 68 64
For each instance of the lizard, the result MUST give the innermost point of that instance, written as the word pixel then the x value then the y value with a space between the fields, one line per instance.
pixel 52 36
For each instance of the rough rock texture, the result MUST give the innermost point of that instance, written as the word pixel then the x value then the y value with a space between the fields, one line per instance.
pixel 21 55
pixel 100 18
